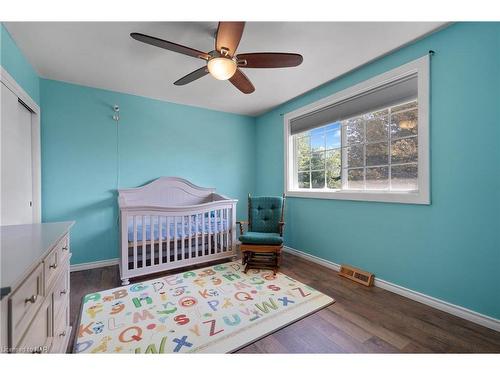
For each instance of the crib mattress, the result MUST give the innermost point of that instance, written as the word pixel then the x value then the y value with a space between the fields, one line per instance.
pixel 214 225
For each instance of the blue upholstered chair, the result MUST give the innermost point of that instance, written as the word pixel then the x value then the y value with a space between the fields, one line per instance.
pixel 261 245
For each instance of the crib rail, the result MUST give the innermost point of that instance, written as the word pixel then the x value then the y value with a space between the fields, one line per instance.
pixel 155 239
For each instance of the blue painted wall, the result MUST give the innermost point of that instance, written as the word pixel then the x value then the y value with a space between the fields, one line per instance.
pixel 16 64
pixel 450 249
pixel 79 156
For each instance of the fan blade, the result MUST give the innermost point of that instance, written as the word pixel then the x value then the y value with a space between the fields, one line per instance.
pixel 193 76
pixel 242 83
pixel 269 60
pixel 229 36
pixel 157 42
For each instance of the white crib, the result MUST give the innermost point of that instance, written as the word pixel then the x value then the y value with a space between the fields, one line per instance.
pixel 171 223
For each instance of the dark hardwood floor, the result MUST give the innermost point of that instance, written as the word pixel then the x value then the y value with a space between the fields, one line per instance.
pixel 363 320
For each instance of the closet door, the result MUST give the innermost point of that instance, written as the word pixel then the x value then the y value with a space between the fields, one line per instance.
pixel 16 161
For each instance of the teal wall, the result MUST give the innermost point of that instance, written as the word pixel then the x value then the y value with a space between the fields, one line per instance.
pixel 16 64
pixel 451 248
pixel 79 157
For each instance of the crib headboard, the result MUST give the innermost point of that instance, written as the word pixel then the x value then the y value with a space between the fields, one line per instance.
pixel 165 192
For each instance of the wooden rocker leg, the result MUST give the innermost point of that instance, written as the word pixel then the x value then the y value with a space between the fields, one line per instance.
pixel 245 255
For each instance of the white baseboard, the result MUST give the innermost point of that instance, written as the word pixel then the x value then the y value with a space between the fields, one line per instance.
pixel 450 308
pixel 97 264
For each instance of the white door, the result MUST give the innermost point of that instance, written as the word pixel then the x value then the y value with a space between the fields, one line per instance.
pixel 16 161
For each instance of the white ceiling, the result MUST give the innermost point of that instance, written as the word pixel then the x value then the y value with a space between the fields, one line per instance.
pixel 103 55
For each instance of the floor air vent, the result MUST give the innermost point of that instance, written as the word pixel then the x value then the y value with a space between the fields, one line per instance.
pixel 354 274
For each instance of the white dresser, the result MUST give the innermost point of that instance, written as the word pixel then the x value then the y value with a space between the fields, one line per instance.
pixel 34 288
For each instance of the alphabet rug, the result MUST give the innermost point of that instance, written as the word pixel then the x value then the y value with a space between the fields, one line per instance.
pixel 217 309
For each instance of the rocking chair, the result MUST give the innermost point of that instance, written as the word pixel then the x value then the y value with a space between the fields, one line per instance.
pixel 262 244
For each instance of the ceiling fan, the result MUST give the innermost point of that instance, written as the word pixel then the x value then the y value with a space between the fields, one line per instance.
pixel 223 63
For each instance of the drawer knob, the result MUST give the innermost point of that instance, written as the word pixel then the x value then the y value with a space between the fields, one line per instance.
pixel 65 248
pixel 54 266
pixel 62 334
pixel 63 292
pixel 32 299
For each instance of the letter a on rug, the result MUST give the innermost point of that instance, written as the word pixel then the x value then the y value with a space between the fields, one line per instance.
pixel 212 310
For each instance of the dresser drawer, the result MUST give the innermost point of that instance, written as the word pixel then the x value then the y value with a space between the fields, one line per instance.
pixel 61 331
pixel 24 303
pixel 54 262
pixel 60 292
pixel 38 337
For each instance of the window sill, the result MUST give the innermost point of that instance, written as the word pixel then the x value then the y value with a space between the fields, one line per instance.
pixel 369 196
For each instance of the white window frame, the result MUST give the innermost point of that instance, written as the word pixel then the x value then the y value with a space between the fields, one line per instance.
pixel 420 67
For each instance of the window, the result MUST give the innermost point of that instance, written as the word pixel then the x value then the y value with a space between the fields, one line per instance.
pixel 369 142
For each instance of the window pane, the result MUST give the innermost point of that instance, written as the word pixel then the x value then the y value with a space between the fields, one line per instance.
pixel 355 156
pixel 355 179
pixel 304 178
pixel 333 126
pixel 304 145
pixel 370 143
pixel 372 115
pixel 404 150
pixel 377 129
pixel 404 106
pixel 304 163
pixel 355 131
pixel 377 153
pixel 318 139
pixel 404 124
pixel 318 160
pixel 333 159
pixel 404 177
pixel 333 137
pixel 333 179
pixel 377 178
pixel 303 153
pixel 318 179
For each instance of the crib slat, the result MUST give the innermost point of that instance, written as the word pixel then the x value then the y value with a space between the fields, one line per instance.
pixel 222 230
pixel 227 228
pixel 168 236
pixel 190 234
pixel 203 234
pixel 210 232
pixel 174 252
pixel 135 242
pixel 216 231
pixel 196 235
pixel 152 240
pixel 143 221
pixel 214 234
pixel 160 245
pixel 219 231
pixel 183 236
pixel 230 228
pixel 153 249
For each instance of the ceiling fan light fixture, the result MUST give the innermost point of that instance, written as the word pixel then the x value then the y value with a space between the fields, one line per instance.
pixel 222 68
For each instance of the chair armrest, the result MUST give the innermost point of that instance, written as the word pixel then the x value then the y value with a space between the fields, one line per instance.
pixel 281 225
pixel 241 224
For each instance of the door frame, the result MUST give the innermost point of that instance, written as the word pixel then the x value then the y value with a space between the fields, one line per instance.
pixel 13 86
